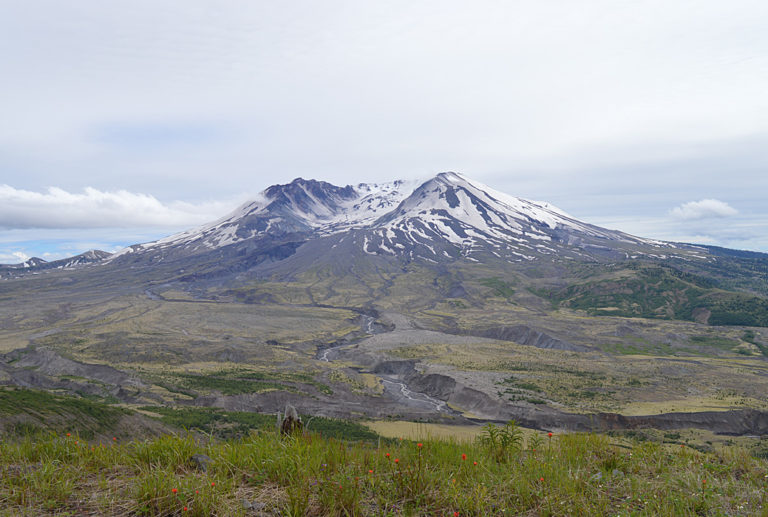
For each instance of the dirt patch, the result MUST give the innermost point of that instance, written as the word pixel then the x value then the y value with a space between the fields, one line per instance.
pixel 701 315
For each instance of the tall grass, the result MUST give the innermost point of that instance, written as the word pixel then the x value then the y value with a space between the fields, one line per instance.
pixel 308 475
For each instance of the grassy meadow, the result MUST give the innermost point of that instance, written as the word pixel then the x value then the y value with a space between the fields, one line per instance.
pixel 500 472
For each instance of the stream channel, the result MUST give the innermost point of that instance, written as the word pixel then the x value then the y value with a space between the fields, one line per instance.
pixel 393 384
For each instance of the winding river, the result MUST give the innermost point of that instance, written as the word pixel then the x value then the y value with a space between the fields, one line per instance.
pixel 394 387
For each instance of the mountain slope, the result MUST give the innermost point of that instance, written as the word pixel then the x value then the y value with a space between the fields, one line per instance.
pixel 300 207
pixel 446 218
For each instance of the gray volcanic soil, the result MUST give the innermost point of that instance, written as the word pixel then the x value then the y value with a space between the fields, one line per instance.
pixel 408 383
pixel 411 389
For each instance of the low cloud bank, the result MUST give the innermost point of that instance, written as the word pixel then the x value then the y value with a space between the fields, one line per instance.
pixel 57 208
pixel 704 209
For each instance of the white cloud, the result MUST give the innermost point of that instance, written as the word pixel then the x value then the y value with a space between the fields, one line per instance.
pixel 57 208
pixel 13 257
pixel 704 209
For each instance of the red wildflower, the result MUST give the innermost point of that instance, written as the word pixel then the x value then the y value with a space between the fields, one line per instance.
pixel 474 463
pixel 114 438
pixel 455 514
pixel 397 460
pixel 387 455
pixel 185 508
pixel 174 490
pixel 541 479
pixel 549 434
pixel 213 483
pixel 463 457
pixel 370 472
pixel 69 434
pixel 418 445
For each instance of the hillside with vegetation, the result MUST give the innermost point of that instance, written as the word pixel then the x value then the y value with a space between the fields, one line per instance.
pixel 229 464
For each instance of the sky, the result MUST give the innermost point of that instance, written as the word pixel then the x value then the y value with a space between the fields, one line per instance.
pixel 124 121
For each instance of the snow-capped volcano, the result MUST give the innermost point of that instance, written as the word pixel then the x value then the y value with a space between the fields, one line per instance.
pixel 298 207
pixel 444 218
pixel 472 216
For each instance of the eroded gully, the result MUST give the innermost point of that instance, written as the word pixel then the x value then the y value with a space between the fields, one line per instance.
pixel 394 387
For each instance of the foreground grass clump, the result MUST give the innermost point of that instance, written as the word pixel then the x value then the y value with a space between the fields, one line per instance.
pixel 308 475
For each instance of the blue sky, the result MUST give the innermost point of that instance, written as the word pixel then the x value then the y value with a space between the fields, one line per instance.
pixel 126 121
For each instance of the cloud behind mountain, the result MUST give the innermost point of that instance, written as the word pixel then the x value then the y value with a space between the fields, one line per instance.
pixel 704 209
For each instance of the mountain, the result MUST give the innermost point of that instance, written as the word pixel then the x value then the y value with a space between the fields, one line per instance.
pixel 36 265
pixel 446 218
pixel 441 299
pixel 445 224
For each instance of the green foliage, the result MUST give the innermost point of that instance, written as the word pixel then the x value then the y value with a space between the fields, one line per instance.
pixel 740 310
pixel 733 269
pixel 500 287
pixel 523 385
pixel 534 442
pixel 224 424
pixel 238 381
pixel 42 409
pixel 654 291
pixel 234 424
pixel 571 474
pixel 639 348
pixel 720 342
pixel 502 443
pixel 153 494
pixel 339 429
pixel 228 386
pixel 750 337
pixel 163 452
pixel 760 449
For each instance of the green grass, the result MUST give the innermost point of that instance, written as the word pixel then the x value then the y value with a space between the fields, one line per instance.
pixel 42 409
pixel 500 474
pixel 750 337
pixel 500 287
pixel 638 348
pixel 723 343
pixel 523 385
pixel 234 424
pixel 228 386
pixel 236 381
pixel 652 291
